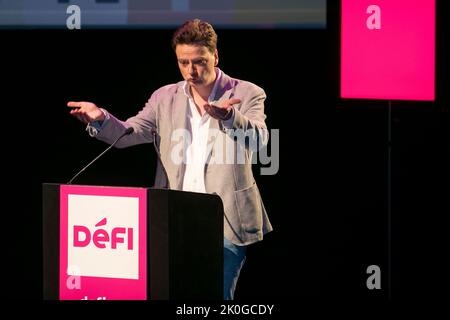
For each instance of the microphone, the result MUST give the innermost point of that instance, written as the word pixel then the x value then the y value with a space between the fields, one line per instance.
pixel 159 158
pixel 126 132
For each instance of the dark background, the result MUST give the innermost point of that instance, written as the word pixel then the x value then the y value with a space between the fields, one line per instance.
pixel 329 201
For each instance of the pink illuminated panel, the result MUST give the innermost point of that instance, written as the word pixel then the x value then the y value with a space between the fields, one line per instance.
pixel 388 49
pixel 103 243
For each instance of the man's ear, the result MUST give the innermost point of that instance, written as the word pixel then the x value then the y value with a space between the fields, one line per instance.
pixel 216 58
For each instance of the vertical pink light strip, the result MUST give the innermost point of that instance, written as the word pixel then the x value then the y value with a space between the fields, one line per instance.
pixel 395 62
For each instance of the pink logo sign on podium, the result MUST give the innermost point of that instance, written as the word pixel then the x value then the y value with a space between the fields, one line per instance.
pixel 103 248
pixel 388 49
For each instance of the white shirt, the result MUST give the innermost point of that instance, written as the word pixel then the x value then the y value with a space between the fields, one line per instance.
pixel 194 175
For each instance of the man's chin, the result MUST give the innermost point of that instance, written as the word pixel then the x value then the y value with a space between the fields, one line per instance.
pixel 196 82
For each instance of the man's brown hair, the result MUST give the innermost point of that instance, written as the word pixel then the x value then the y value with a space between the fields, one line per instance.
pixel 195 32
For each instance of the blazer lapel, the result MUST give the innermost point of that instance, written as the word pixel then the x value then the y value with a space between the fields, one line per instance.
pixel 224 89
pixel 179 109
pixel 179 121
pixel 224 92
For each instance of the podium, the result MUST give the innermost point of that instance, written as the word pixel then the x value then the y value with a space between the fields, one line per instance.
pixel 122 243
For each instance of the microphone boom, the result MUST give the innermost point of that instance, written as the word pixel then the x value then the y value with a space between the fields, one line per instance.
pixel 128 131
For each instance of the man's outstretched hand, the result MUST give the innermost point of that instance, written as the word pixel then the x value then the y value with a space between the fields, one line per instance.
pixel 223 111
pixel 86 111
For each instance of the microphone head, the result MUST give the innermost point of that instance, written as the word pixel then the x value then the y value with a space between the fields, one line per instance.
pixel 129 130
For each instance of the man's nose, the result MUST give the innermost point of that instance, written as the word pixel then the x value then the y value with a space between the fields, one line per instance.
pixel 191 68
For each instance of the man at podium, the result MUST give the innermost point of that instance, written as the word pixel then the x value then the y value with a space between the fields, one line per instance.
pixel 206 129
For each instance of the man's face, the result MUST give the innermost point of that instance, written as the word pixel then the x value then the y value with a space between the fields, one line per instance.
pixel 196 64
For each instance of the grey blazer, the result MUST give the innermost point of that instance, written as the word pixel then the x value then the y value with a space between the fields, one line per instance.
pixel 245 219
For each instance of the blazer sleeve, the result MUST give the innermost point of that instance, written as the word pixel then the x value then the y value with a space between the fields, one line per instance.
pixel 144 123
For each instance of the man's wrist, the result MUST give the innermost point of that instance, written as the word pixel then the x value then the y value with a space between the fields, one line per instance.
pixel 98 124
pixel 228 122
pixel 103 117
